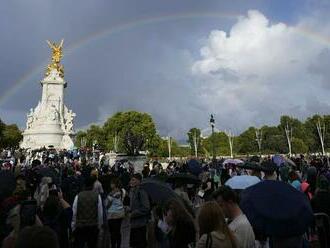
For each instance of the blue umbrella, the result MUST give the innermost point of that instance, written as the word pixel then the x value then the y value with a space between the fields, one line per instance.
pixel 278 160
pixel 276 209
pixel 242 182
pixel 195 167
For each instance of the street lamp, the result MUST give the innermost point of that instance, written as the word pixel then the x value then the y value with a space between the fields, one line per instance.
pixel 212 123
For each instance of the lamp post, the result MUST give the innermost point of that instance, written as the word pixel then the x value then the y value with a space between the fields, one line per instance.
pixel 212 123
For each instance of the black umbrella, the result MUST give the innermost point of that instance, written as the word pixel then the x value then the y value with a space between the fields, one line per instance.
pixel 7 184
pixel 277 209
pixel 184 178
pixel 158 192
pixel 250 166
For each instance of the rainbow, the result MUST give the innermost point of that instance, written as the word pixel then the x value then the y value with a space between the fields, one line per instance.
pixel 28 76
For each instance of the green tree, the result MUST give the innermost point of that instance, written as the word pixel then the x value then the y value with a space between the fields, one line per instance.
pixel 11 136
pixel 246 142
pixel 2 128
pixel 299 146
pixel 81 139
pixel 312 137
pixel 297 126
pixel 134 130
pixel 273 140
pixel 95 135
pixel 194 139
pixel 220 143
pixel 156 146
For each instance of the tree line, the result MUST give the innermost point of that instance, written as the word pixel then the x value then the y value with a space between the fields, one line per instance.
pixel 131 132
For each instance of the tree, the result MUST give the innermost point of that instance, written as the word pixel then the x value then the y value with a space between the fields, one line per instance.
pixel 81 139
pixel 134 130
pixel 273 140
pixel 194 139
pixel 2 128
pixel 312 136
pixel 299 146
pixel 11 136
pixel 246 142
pixel 94 135
pixel 221 144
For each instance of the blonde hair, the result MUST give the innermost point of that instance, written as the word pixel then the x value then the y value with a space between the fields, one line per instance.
pixel 211 218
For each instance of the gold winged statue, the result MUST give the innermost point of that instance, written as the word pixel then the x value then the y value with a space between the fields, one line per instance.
pixel 56 58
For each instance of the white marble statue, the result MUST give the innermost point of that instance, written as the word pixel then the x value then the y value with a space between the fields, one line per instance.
pixel 51 123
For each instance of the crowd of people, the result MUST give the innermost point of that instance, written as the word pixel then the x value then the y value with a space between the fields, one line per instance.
pixel 63 199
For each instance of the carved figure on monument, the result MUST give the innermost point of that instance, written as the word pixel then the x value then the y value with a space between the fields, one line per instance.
pixel 29 119
pixel 69 124
pixel 53 114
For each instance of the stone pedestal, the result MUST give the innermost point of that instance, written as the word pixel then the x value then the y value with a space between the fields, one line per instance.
pixel 51 122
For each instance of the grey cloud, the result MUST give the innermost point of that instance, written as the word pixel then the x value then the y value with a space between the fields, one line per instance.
pixel 147 68
pixel 321 66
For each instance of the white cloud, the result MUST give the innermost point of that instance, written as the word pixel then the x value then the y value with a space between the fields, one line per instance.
pixel 258 71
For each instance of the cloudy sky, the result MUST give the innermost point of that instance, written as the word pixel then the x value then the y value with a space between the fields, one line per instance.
pixel 248 62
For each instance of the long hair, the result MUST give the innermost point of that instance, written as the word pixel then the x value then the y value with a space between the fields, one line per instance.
pixel 211 218
pixel 184 230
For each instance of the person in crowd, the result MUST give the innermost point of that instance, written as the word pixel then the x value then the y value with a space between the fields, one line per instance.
pixel 115 212
pixel 139 213
pixel 295 180
pixel 239 224
pixel 23 214
pixel 269 168
pixel 105 179
pixel 213 229
pixel 321 200
pixel 180 191
pixel 208 188
pixel 87 216
pixel 224 175
pixel 71 185
pixel 284 173
pixel 182 230
pixel 306 189
pixel 37 237
pixel 146 170
pixel 312 178
pixel 97 187
pixel 42 192
pixel 321 204
pixel 57 214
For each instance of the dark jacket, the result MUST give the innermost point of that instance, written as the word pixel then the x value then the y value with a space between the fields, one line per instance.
pixel 140 208
pixel 321 202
